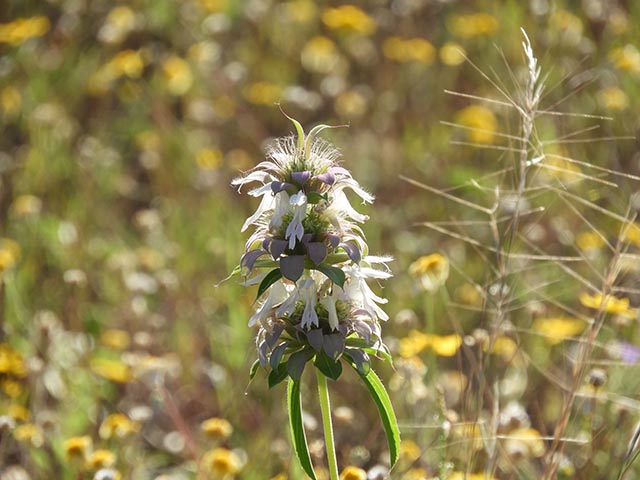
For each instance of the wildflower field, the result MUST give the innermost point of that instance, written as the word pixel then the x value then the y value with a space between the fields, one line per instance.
pixel 425 211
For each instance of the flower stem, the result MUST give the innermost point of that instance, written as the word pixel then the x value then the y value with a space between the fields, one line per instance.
pixel 325 408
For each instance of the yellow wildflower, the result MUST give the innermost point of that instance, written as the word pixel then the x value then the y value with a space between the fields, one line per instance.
pixel 351 104
pixel 613 98
pixel 78 447
pixel 101 458
pixel 558 329
pixel 26 205
pixel 301 11
pixel 468 294
pixel 353 473
pixel 263 93
pixel 502 346
pixel 320 55
pixel 128 63
pixel 115 338
pixel 349 18
pixel 9 253
pixel 631 234
pixel 626 58
pixel 586 241
pixel 470 434
pixel 213 5
pixel 431 270
pixel 410 451
pixel 23 29
pixel 569 25
pixel 221 462
pixel 452 54
pixel 474 25
pixel 11 362
pixel 11 388
pixel 610 304
pixel 120 21
pixel 18 412
pixel 117 425
pixel 209 158
pixel 481 124
pixel 471 476
pixel 177 74
pixel 113 370
pixel 29 433
pixel 527 441
pixel 409 50
pixel 416 342
pixel 216 428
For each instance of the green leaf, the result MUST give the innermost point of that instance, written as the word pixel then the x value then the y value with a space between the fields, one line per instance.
pixel 335 274
pixel 329 367
pixel 254 369
pixel 315 197
pixel 383 402
pixel 272 277
pixel 297 428
pixel 277 375
pixel 297 362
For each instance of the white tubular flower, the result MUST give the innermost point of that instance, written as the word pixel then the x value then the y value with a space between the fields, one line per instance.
pixel 360 293
pixel 309 295
pixel 281 208
pixel 330 304
pixel 265 205
pixel 277 295
pixel 295 230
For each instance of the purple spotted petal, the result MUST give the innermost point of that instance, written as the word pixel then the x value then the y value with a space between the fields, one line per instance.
pixel 315 339
pixel 334 240
pixel 301 177
pixel 277 187
pixel 317 252
pixel 249 258
pixel 328 178
pixel 352 250
pixel 277 248
pixel 292 267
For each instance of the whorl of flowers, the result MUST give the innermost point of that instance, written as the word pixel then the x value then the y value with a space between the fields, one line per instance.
pixel 314 300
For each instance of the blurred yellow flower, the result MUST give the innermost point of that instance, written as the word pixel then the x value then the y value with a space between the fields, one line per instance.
pixel 209 158
pixel 631 234
pixel 128 63
pixel 78 447
pixel 29 433
pixel 502 346
pixel 301 11
pixel 11 388
pixel 9 253
pixel 221 462
pixel 452 54
pixel 415 474
pixel 117 425
pixel 351 104
pixel 610 304
pixel 409 50
pixel 562 169
pixel 613 98
pixel 470 434
pixel 569 25
pixel 177 74
pixel 416 342
pixel 214 5
pixel 587 241
pixel 320 55
pixel 120 21
pixel 216 428
pixel 10 101
pixel 23 29
pixel 26 205
pixel 410 451
pixel 11 362
pixel 468 294
pixel 101 458
pixel 263 93
pixel 474 25
pixel 527 441
pixel 115 338
pixel 148 140
pixel 18 412
pixel 113 370
pixel 470 476
pixel 349 18
pixel 558 329
pixel 626 58
pixel 481 123
pixel 353 473
pixel 431 271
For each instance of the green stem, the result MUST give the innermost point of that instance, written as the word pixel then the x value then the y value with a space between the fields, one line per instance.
pixel 325 408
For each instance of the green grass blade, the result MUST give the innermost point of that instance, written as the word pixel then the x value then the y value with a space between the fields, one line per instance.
pixel 383 402
pixel 297 428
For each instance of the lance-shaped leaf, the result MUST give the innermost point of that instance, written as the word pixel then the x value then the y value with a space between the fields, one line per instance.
pixel 276 355
pixel 272 277
pixel 328 366
pixel 387 415
pixel 335 274
pixel 297 428
pixel 278 375
pixel 297 362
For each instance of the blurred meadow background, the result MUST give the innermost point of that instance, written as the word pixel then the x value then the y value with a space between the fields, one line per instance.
pixel 514 302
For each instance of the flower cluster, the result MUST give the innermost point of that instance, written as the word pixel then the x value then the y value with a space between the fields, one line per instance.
pixel 314 300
